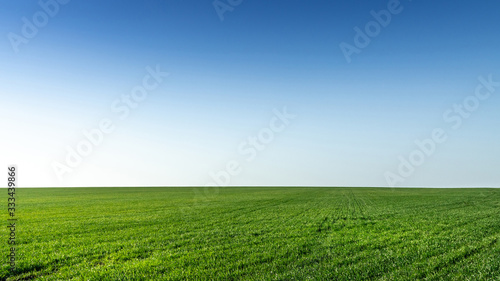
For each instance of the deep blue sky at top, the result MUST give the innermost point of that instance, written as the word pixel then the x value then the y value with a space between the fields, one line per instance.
pixel 292 41
pixel 227 74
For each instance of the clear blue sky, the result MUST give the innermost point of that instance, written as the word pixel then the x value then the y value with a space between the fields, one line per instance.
pixel 355 123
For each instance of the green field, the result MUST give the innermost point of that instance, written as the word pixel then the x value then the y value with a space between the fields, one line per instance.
pixel 255 234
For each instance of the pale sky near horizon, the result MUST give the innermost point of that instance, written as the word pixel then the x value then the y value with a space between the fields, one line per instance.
pixel 289 93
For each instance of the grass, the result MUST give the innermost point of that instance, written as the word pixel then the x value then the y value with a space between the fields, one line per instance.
pixel 255 234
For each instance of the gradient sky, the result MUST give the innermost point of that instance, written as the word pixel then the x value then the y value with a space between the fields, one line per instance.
pixel 353 121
